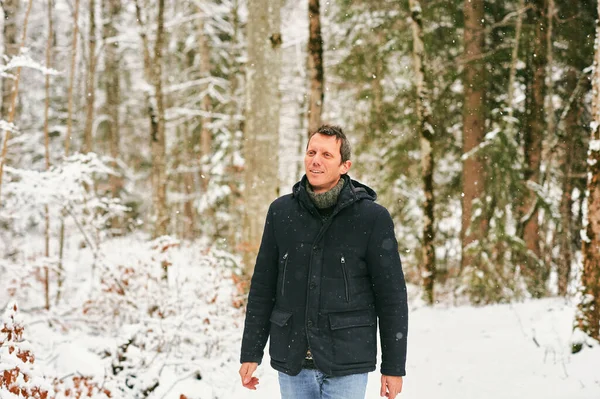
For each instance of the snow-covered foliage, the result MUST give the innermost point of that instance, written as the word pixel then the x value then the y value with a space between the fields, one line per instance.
pixel 165 308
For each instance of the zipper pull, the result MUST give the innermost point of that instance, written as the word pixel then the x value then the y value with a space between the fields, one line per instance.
pixel 285 256
pixel 343 259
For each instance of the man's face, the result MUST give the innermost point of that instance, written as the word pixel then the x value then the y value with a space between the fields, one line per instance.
pixel 323 162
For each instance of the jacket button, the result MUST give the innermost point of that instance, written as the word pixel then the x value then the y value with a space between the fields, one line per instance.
pixel 310 323
pixel 312 286
pixel 315 248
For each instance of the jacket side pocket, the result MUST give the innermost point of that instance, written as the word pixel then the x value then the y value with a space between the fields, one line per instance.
pixel 281 328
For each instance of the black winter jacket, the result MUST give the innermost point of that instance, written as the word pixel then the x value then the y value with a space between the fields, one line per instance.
pixel 323 283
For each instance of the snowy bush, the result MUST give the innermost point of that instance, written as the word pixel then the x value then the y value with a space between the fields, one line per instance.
pixel 19 377
pixel 171 307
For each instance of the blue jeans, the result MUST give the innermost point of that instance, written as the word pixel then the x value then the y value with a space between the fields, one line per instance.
pixel 313 384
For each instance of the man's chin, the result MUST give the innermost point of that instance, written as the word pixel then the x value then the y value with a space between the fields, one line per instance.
pixel 312 180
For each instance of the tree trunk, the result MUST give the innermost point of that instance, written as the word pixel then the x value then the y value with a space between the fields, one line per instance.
pixel 262 120
pixel 153 74
pixel 205 132
pixel 61 244
pixel 377 118
pixel 514 58
pixel 473 177
pixel 235 176
pixel 90 87
pixel 566 201
pixel 533 268
pixel 588 315
pixel 72 79
pixel 159 162
pixel 316 94
pixel 13 100
pixel 47 153
pixel 189 210
pixel 426 132
pixel 111 11
pixel 10 9
pixel 551 11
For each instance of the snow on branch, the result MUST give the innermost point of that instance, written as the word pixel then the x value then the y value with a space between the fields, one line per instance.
pixel 24 61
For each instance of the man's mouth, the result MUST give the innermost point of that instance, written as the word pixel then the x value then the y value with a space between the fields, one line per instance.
pixel 316 171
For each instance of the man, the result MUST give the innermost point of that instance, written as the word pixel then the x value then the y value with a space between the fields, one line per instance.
pixel 327 269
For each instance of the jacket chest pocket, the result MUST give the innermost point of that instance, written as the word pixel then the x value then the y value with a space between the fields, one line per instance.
pixel 279 334
pixel 354 336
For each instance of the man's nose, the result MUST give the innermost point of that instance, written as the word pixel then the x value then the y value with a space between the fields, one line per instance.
pixel 316 160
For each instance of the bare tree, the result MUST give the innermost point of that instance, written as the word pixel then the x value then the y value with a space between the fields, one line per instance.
pixel 426 132
pixel 10 8
pixel 49 47
pixel 205 72
pixel 111 11
pixel 90 87
pixel 316 94
pixel 159 161
pixel 72 78
pixel 13 100
pixel 61 244
pixel 262 120
pixel 156 113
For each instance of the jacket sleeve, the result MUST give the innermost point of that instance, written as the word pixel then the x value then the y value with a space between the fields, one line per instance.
pixel 261 298
pixel 389 286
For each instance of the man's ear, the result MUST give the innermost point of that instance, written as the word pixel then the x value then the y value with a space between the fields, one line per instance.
pixel 345 167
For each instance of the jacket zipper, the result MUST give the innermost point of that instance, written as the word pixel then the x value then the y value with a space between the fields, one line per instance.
pixel 343 263
pixel 285 258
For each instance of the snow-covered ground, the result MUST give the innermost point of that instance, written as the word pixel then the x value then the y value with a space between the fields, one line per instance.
pixel 492 352
pixel 186 337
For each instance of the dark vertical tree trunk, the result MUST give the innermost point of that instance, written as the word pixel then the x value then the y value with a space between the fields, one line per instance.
pixel 156 113
pixel 514 59
pixel 236 108
pixel 90 87
pixel 61 244
pixel 49 45
pixel 12 106
pixel 70 93
pixel 159 164
pixel 205 132
pixel 10 8
pixel 566 201
pixel 474 124
pixel 315 66
pixel 426 133
pixel 588 315
pixel 111 11
pixel 533 267
pixel 189 211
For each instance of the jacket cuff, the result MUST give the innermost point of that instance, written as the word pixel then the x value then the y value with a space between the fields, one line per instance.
pixel 251 358
pixel 393 371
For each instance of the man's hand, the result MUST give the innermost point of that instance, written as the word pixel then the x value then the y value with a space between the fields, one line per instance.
pixel 246 372
pixel 390 386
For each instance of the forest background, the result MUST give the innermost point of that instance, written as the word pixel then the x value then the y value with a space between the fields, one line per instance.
pixel 142 142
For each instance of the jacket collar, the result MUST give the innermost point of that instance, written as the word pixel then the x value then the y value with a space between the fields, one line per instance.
pixel 352 192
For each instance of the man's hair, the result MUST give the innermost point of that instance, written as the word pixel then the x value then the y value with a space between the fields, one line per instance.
pixel 331 130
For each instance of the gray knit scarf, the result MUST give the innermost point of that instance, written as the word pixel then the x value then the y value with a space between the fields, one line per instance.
pixel 328 198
